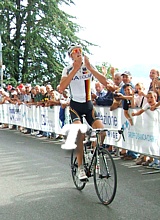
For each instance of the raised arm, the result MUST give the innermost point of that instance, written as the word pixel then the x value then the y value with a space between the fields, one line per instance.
pixel 65 80
pixel 138 112
pixel 101 78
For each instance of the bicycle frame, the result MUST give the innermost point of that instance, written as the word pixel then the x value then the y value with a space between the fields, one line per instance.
pixel 101 166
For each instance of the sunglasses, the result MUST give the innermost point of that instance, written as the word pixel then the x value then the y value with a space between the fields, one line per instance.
pixel 76 50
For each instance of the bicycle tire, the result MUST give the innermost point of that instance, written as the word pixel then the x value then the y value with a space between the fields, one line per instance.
pixel 74 170
pixel 105 177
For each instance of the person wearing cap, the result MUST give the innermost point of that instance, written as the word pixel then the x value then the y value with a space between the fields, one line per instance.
pixel 126 78
pixel 78 77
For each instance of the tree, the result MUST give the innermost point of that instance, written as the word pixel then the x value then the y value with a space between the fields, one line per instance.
pixel 35 36
pixel 107 69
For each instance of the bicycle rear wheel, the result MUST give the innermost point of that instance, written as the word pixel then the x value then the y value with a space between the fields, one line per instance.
pixel 105 177
pixel 74 170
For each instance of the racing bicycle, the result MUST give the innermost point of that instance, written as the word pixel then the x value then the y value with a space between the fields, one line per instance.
pixel 99 164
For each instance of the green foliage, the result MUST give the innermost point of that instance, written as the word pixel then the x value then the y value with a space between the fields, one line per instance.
pixel 10 81
pixel 35 36
pixel 108 67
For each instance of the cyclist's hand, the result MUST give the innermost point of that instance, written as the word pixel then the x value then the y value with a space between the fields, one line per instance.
pixel 77 63
pixel 87 63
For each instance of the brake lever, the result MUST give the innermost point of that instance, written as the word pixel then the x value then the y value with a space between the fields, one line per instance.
pixel 121 133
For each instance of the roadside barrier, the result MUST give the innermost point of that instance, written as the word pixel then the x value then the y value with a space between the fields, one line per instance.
pixel 142 137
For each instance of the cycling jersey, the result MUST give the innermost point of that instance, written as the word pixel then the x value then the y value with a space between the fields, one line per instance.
pixel 80 85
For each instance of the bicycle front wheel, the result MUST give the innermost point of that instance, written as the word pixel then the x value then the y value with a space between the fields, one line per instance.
pixel 105 177
pixel 74 170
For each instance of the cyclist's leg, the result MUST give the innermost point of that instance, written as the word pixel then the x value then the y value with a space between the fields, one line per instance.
pixel 79 150
pixel 76 119
pixel 99 124
pixel 95 122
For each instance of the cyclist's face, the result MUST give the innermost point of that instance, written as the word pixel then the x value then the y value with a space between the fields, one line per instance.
pixel 76 52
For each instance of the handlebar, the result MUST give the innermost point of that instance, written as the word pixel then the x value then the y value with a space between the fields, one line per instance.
pixel 100 130
pixel 71 131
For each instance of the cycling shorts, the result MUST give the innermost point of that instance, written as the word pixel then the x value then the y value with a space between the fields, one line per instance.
pixel 77 110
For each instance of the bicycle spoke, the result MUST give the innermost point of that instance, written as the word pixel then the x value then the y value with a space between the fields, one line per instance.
pixel 105 180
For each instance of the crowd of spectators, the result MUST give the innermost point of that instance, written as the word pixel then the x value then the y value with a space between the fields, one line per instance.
pixel 28 95
pixel 120 92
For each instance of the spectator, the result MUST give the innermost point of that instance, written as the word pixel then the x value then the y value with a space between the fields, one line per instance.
pixel 13 97
pixel 4 96
pixel 54 99
pixel 33 102
pixel 153 75
pixel 102 97
pixel 44 97
pixel 37 98
pixel 27 100
pixel 38 95
pixel 27 95
pixel 21 92
pixel 100 89
pixel 1 95
pixel 126 78
pixel 43 103
pixel 64 101
pixel 118 82
pixel 106 100
pixel 139 101
pixel 129 95
pixel 33 97
pixel 151 101
pixel 139 96
pixel 157 90
pixel 48 90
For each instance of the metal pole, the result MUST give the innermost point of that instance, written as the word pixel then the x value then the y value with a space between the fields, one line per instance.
pixel 1 69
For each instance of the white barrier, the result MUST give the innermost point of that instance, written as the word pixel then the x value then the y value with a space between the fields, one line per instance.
pixel 142 137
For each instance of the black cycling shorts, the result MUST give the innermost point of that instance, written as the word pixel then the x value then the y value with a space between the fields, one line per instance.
pixel 78 109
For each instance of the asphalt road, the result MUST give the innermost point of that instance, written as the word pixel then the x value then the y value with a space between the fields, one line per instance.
pixel 36 184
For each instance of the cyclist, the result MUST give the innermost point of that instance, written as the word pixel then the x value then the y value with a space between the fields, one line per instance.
pixel 78 77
